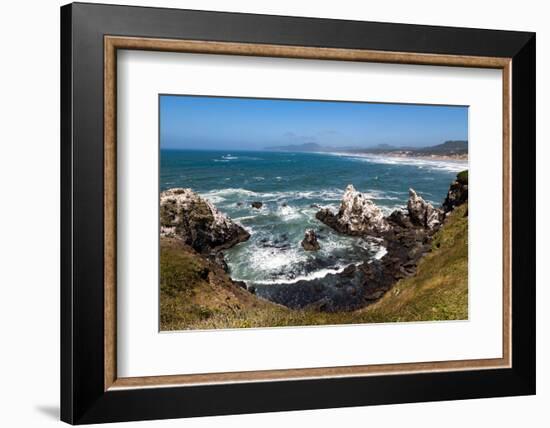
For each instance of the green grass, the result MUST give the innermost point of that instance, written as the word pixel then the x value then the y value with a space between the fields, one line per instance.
pixel 181 272
pixel 182 275
pixel 197 295
pixel 439 289
pixel 462 177
pixel 194 291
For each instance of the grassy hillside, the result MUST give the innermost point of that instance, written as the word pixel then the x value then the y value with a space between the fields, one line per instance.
pixel 197 294
pixel 194 291
pixel 439 289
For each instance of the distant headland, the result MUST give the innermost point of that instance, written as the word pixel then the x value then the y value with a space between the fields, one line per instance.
pixel 452 149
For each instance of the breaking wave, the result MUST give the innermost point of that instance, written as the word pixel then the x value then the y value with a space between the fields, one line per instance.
pixel 435 165
pixel 221 195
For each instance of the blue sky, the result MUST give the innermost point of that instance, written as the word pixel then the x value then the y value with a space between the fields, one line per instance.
pixel 191 122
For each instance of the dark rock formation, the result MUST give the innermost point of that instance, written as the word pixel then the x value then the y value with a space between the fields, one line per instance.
pixel 198 223
pixel 458 192
pixel 309 243
pixel 406 235
pixel 334 292
pixel 399 218
pixel 256 205
pixel 405 247
pixel 218 258
pixel 241 284
pixel 326 216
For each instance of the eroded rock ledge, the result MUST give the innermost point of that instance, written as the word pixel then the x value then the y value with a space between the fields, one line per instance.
pixel 406 234
pixel 358 215
pixel 195 221
pixel 458 192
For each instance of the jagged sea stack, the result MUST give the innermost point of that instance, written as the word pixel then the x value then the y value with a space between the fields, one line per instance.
pixel 185 215
pixel 310 243
pixel 423 213
pixel 358 215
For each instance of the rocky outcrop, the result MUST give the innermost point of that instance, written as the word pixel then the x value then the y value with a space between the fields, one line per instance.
pixel 310 243
pixel 458 192
pixel 406 235
pixel 400 218
pixel 186 216
pixel 256 205
pixel 332 293
pixel 422 213
pixel 358 215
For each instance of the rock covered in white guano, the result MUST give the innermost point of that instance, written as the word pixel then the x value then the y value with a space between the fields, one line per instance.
pixel 358 215
pixel 187 216
pixel 422 213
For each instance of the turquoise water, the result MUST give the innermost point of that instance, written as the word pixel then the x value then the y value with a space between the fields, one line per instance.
pixel 292 187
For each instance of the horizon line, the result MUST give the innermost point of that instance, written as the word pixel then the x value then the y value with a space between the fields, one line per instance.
pixel 267 148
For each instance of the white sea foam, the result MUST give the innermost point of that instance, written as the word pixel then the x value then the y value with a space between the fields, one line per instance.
pixel 335 242
pixel 229 157
pixel 273 259
pixel 277 263
pixel 222 194
pixel 382 251
pixel 287 212
pixel 436 165
pixel 321 273
pixel 246 217
pixel 326 195
pixel 388 209
pixel 213 198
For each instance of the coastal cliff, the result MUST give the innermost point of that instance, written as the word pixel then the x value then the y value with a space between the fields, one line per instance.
pixel 422 275
pixel 194 284
pixel 197 222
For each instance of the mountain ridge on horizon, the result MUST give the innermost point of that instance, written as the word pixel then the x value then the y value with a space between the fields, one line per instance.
pixel 449 147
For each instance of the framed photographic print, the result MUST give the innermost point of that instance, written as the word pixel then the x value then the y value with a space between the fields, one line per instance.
pixel 266 213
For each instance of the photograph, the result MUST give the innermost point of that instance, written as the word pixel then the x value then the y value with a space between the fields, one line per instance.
pixel 296 212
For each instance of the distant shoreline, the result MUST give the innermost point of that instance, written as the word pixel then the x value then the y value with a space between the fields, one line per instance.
pixel 460 159
pixel 447 151
pixel 385 155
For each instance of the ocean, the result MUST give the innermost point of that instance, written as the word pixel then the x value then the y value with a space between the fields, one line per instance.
pixel 292 188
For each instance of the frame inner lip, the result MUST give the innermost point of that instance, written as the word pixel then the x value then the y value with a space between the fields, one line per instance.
pixel 112 43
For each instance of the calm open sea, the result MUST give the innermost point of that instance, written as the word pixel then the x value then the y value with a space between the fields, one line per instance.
pixel 292 187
